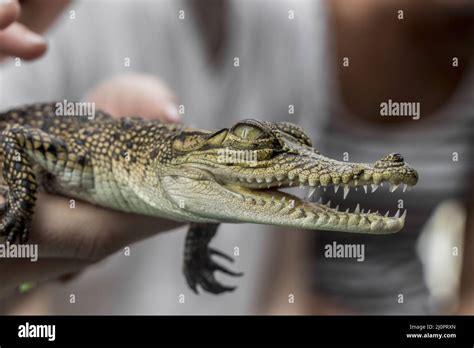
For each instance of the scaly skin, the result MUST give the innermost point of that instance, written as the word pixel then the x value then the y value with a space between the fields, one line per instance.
pixel 183 174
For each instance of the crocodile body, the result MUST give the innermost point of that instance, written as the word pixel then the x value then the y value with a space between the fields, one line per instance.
pixel 171 171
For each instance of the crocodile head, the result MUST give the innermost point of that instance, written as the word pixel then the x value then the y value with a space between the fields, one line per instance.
pixel 237 175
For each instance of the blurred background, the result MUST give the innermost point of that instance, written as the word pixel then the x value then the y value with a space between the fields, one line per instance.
pixel 325 65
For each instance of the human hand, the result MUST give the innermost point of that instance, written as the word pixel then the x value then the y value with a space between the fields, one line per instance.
pixel 71 239
pixel 20 21
pixel 136 95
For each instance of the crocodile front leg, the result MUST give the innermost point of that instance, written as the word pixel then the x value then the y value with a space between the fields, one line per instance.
pixel 21 150
pixel 18 208
pixel 198 265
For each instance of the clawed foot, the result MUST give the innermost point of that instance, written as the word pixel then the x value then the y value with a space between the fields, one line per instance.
pixel 199 268
pixel 13 223
pixel 14 228
pixel 4 204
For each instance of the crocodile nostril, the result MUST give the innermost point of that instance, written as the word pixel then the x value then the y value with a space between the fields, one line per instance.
pixel 397 157
pixel 393 157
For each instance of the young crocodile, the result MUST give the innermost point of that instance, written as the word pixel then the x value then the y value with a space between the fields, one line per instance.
pixel 197 176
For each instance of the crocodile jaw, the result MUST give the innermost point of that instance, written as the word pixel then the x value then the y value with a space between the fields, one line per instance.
pixel 207 199
pixel 251 194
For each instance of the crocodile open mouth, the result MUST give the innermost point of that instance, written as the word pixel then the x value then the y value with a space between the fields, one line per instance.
pixel 271 195
pixel 258 193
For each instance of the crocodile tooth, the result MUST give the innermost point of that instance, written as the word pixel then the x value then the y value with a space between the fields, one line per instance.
pixel 290 183
pixel 311 192
pixel 292 203
pixel 273 199
pixel 368 212
pixel 404 215
pixel 269 179
pixel 283 199
pixel 336 208
pixel 397 215
pixel 268 186
pixel 386 214
pixel 374 187
pixel 324 188
pixel 260 180
pixel 362 211
pixel 320 200
pixel 347 211
pixel 328 204
pixel 365 189
pixel 279 184
pixel 336 188
pixel 393 187
pixel 357 209
pixel 346 191
pixel 381 184
pixel 405 187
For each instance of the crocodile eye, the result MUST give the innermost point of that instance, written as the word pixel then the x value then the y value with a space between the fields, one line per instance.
pixel 247 132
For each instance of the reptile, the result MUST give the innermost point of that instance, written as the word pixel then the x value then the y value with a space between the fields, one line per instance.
pixel 201 177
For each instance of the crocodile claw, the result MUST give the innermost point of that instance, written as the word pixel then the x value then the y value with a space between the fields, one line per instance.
pixel 14 225
pixel 3 208
pixel 199 269
pixel 4 204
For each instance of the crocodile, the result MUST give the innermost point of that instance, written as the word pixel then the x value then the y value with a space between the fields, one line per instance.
pixel 201 177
